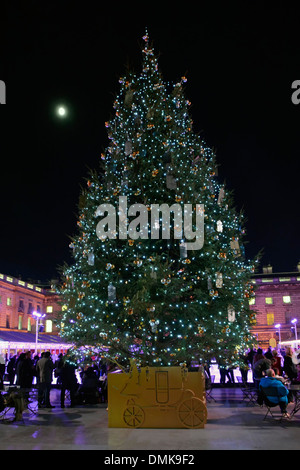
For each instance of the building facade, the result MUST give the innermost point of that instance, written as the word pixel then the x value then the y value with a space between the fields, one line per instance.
pixel 21 303
pixel 277 304
pixel 20 299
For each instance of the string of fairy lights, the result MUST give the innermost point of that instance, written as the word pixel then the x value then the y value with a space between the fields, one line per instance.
pixel 152 300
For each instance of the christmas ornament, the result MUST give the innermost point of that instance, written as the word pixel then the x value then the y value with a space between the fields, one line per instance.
pixel 86 284
pixel 151 309
pixel 219 226
pixel 128 148
pixel 109 266
pixel 171 182
pixel 111 292
pixel 138 262
pixel 226 329
pixel 153 325
pixel 72 246
pixel 219 280
pixel 234 245
pixel 150 113
pixel 128 98
pixel 221 196
pixel 201 331
pixel 213 293
pixel 153 273
pixel 91 259
pixel 116 191
pixel 231 314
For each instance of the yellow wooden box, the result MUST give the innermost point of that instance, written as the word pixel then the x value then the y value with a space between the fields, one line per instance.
pixel 157 397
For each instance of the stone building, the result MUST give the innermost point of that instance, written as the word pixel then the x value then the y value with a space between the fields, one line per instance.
pixel 27 317
pixel 277 303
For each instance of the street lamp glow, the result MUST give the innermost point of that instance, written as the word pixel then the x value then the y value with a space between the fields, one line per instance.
pixel 37 316
pixel 278 327
pixel 294 321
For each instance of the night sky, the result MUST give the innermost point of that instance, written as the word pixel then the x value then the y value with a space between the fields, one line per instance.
pixel 240 63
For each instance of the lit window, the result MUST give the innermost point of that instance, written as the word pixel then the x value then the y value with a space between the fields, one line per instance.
pixel 48 326
pixel 49 309
pixel 286 299
pixel 28 324
pixel 20 322
pixel 8 301
pixel 270 319
pixel 269 300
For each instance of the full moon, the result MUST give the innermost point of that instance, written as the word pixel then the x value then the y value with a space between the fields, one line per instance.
pixel 61 111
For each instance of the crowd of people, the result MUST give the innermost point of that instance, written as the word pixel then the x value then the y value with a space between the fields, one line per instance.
pixel 91 381
pixel 283 362
pixel 272 371
pixel 84 384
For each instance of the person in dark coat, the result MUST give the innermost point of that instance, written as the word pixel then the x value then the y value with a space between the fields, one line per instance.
pixel 25 370
pixel 44 369
pixel 67 375
pixel 290 369
pixel 11 369
pixel 89 389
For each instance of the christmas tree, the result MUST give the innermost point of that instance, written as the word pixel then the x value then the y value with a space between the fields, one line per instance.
pixel 146 292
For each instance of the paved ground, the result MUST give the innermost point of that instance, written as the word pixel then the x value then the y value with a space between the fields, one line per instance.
pixel 232 425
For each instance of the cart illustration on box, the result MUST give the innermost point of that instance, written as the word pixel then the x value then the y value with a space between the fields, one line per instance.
pixel 166 393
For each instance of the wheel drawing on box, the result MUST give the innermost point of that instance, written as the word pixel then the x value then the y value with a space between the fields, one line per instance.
pixel 192 412
pixel 157 393
pixel 133 415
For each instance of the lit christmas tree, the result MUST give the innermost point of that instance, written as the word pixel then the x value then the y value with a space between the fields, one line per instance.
pixel 147 293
